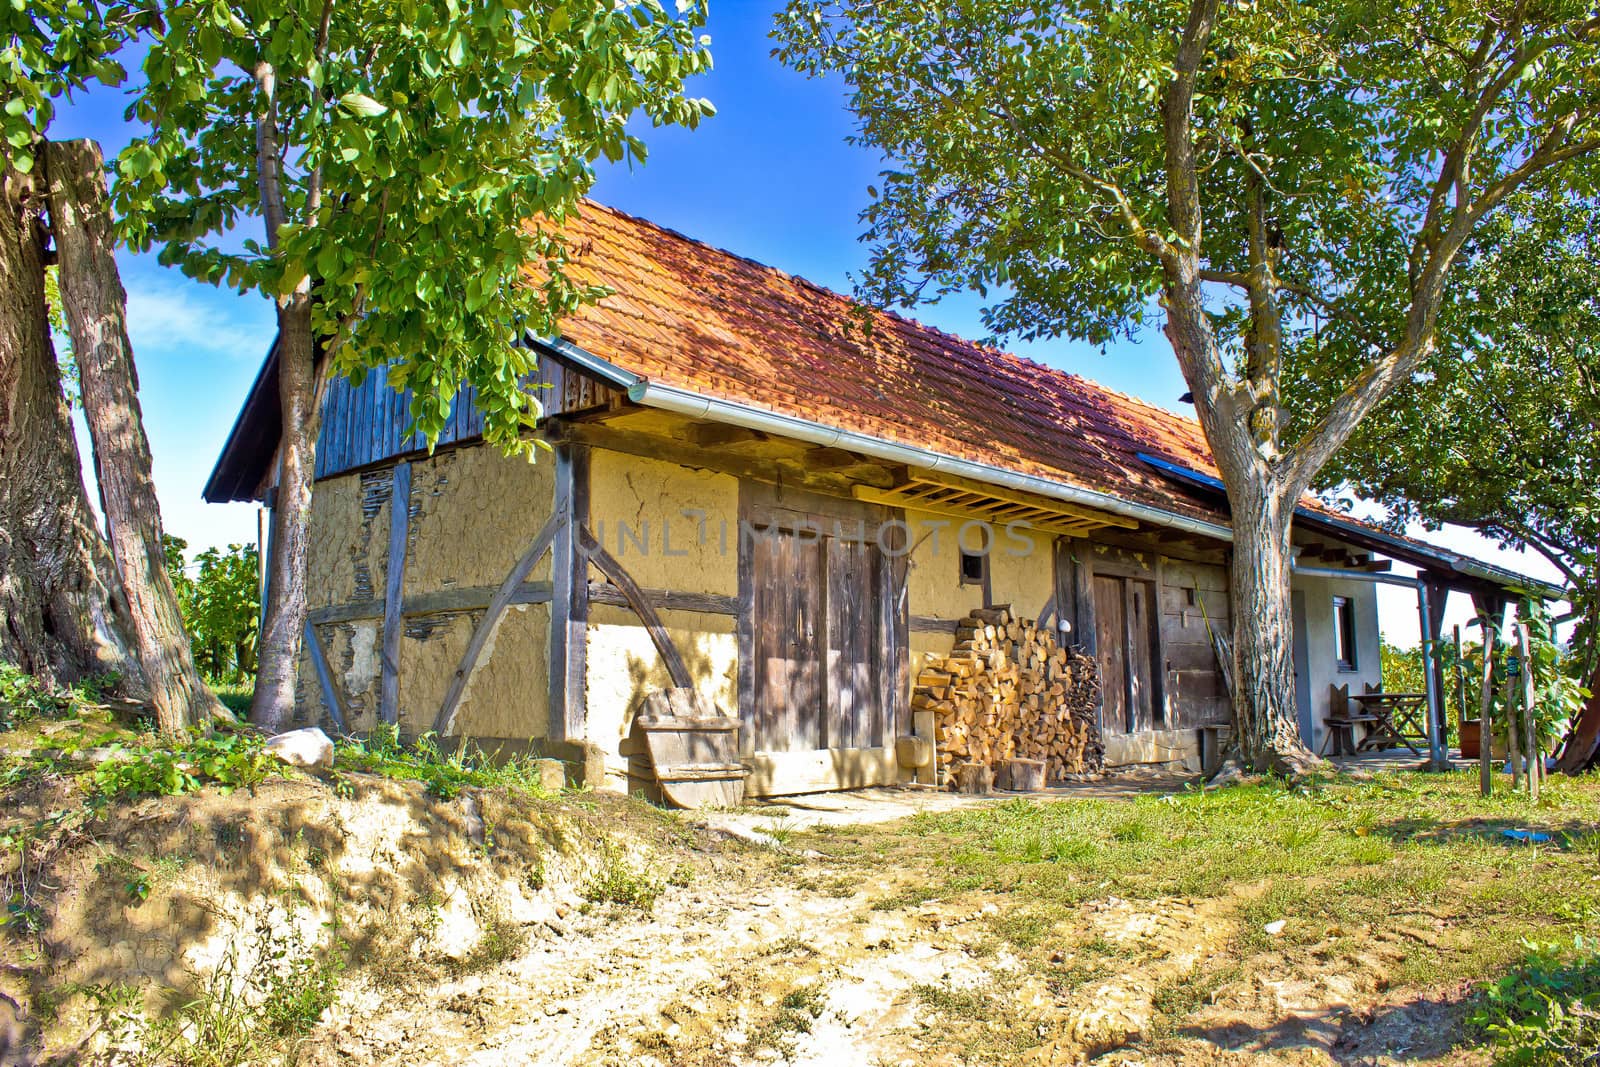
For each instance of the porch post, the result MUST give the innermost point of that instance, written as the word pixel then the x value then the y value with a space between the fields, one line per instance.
pixel 569 599
pixel 1436 751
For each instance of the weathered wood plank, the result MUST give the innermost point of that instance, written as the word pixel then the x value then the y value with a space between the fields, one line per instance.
pixel 1112 643
pixel 713 434
pixel 569 603
pixel 666 599
pixel 1486 711
pixel 744 628
pixel 445 721
pixel 577 631
pixel 1191 655
pixel 319 663
pixel 434 602
pixel 896 603
pixel 929 624
pixel 1086 633
pixel 393 590
pixel 611 568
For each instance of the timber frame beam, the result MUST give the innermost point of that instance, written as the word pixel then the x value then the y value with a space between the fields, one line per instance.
pixel 823 472
pixel 569 596
pixel 975 501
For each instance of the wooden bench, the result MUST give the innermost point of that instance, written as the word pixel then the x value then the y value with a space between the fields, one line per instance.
pixel 1342 722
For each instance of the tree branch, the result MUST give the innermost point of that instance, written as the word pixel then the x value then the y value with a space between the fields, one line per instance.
pixel 1147 240
pixel 1189 329
pixel 1177 107
pixel 269 173
pixel 320 50
pixel 1370 387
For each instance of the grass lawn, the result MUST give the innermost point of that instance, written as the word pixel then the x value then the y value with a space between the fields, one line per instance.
pixel 1256 916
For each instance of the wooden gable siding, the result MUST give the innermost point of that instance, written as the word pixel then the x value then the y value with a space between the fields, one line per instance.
pixel 366 424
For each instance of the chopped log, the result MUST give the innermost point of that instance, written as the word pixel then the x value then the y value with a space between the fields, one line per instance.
pixel 1008 691
pixel 1022 775
pixel 974 778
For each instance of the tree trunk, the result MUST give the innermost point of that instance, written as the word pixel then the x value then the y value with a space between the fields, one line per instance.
pixel 278 651
pixel 1582 746
pixel 96 308
pixel 1263 633
pixel 62 616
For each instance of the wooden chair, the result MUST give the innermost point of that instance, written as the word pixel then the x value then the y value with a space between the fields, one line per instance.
pixel 1342 722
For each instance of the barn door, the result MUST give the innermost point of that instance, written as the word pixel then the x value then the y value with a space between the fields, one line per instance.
pixel 816 630
pixel 854 655
pixel 789 633
pixel 1126 640
pixel 1110 642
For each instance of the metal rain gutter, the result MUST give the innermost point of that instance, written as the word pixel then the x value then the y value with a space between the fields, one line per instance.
pixel 694 405
pixel 1397 547
pixel 1355 576
pixel 669 398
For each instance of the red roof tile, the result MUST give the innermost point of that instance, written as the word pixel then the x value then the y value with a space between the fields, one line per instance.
pixel 689 315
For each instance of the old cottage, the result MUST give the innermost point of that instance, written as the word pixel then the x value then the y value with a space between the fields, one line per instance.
pixel 754 492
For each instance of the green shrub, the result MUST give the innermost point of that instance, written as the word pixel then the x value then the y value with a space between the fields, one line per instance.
pixel 383 752
pixel 219 599
pixel 500 939
pixel 616 882
pixel 24 698
pixel 228 760
pixel 243 1012
pixel 1546 1010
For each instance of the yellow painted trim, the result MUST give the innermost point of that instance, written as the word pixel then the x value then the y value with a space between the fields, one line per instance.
pixel 1039 516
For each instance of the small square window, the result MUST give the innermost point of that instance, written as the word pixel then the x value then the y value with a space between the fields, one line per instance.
pixel 974 566
pixel 1344 633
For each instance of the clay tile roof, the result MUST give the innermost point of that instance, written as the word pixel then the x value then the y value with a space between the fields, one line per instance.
pixel 698 318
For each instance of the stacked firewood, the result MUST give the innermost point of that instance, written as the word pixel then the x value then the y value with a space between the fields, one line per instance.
pixel 1009 692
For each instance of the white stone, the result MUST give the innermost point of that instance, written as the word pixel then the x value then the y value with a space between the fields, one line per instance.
pixel 309 748
pixel 1275 927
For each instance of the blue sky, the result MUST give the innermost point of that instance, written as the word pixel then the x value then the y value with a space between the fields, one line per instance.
pixel 770 177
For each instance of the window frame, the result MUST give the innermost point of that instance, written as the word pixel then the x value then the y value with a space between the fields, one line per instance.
pixel 982 579
pixel 1345 658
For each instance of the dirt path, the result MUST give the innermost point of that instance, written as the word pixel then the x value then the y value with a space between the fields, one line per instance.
pixel 833 943
pixel 809 977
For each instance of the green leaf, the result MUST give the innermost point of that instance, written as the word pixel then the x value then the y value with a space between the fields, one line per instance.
pixel 362 105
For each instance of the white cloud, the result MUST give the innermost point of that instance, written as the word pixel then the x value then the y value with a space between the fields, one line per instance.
pixel 181 316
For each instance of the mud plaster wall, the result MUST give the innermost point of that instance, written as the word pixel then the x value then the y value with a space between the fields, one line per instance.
pixel 345 564
pixel 472 513
pixel 1022 571
pixel 647 514
pixel 933 572
pixel 623 667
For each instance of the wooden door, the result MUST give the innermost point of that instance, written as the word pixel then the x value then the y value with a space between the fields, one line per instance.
pixel 1110 642
pixel 1127 641
pixel 817 641
pixel 788 631
pixel 854 655
pixel 1141 649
